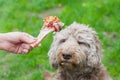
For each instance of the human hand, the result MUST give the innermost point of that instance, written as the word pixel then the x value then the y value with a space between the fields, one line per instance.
pixel 16 42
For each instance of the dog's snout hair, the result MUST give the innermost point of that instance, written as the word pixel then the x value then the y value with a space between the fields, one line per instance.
pixel 76 51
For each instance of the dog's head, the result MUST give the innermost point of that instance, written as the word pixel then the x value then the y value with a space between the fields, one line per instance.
pixel 75 46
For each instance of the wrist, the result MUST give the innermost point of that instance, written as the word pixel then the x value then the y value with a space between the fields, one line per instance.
pixel 1 37
pixel 1 41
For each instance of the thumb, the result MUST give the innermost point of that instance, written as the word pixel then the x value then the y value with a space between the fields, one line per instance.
pixel 27 38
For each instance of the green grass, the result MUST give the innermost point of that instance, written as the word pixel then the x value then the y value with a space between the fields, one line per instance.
pixel 23 15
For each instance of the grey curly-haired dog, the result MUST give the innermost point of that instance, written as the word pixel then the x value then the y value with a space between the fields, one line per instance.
pixel 76 54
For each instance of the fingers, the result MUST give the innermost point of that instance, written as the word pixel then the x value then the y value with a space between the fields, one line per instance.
pixel 26 38
pixel 24 49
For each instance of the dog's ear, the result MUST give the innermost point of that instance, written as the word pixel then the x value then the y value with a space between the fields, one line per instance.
pixel 89 36
pixel 52 54
pixel 94 58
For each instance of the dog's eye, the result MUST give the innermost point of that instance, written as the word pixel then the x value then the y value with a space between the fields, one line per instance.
pixel 62 40
pixel 80 43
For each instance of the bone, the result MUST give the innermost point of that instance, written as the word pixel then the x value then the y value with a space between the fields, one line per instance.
pixel 51 23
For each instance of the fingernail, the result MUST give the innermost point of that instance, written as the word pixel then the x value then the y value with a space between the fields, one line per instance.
pixel 39 45
pixel 25 51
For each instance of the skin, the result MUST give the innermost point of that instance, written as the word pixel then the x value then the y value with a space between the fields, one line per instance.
pixel 16 42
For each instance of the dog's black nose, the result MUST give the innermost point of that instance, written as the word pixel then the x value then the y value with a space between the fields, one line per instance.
pixel 66 56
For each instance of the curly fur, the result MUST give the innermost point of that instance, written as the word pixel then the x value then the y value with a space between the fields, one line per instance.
pixel 76 53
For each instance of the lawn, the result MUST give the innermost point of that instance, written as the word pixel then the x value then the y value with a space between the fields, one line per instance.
pixel 27 15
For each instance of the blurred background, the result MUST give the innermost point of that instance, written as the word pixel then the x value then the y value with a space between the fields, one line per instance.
pixel 27 15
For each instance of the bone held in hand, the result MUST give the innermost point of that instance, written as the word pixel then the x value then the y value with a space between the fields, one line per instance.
pixel 51 23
